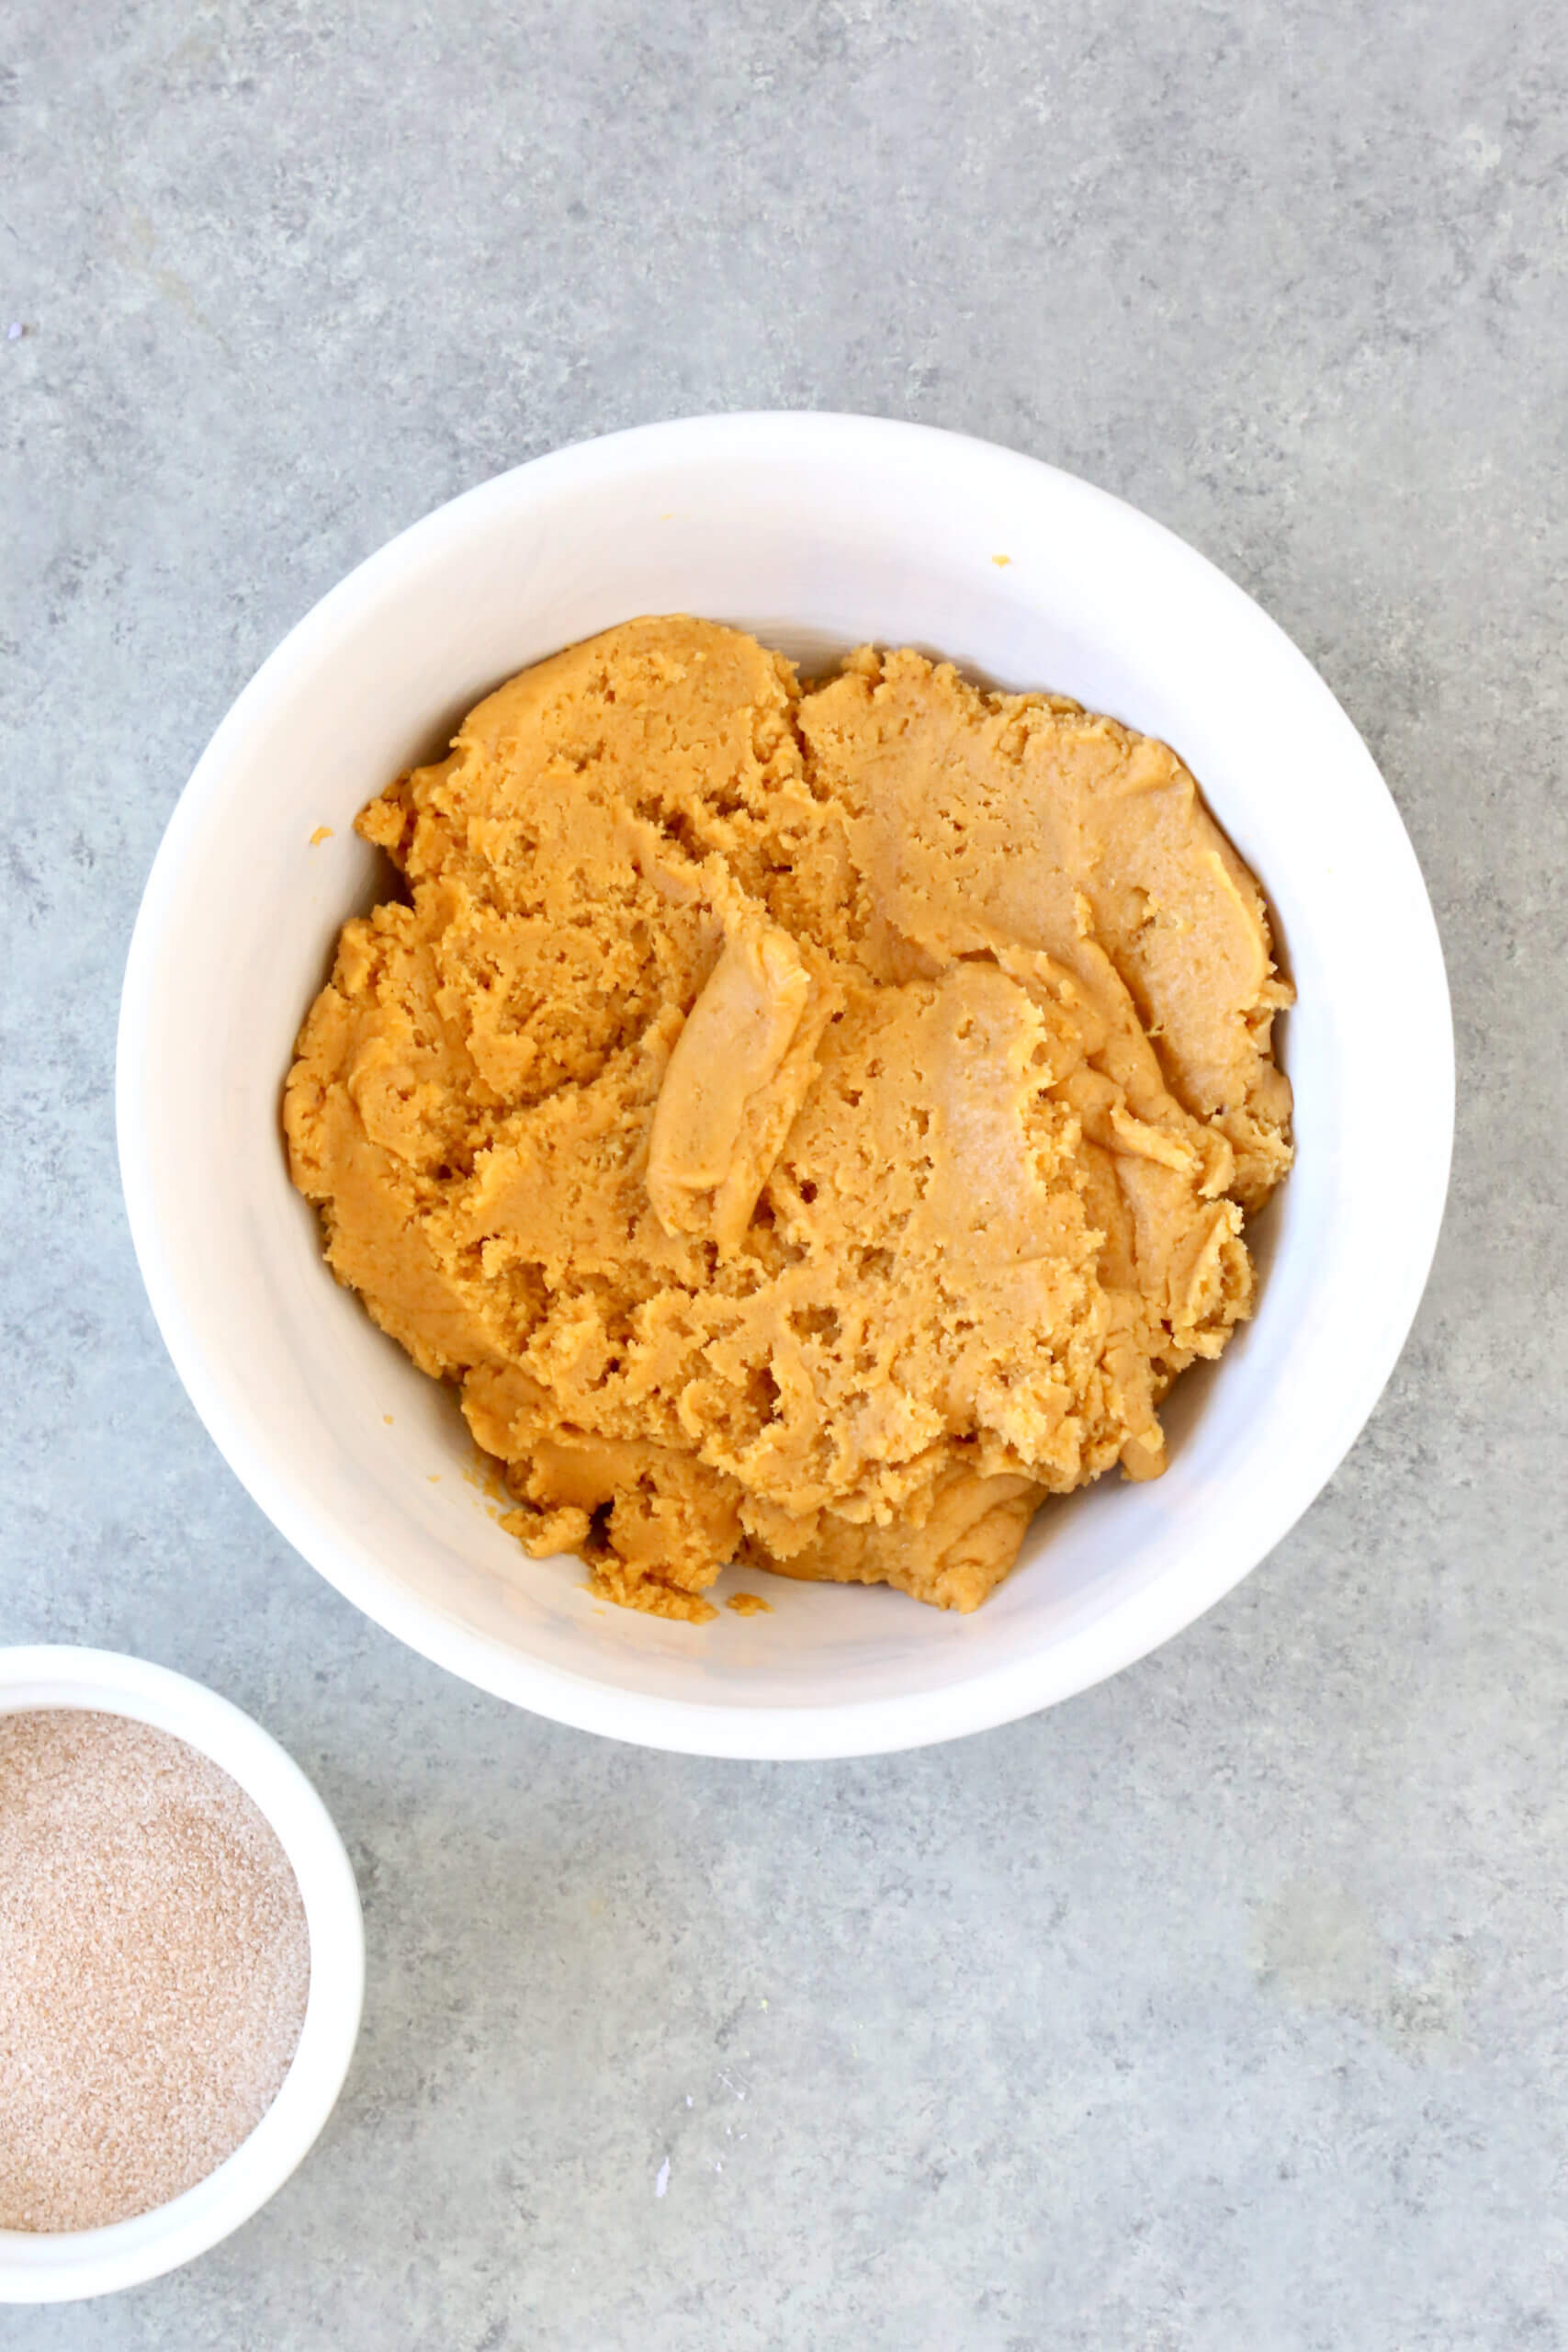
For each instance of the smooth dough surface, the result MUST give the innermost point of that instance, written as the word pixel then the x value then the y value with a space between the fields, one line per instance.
pixel 811 1126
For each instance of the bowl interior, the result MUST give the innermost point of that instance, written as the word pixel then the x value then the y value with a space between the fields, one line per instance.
pixel 816 532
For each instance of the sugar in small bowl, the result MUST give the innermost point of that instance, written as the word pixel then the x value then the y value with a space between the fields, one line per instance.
pixel 181 1970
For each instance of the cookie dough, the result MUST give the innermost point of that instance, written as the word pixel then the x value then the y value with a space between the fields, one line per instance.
pixel 811 1127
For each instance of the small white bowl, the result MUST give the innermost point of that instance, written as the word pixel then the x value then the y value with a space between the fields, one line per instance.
pixel 64 2266
pixel 818 533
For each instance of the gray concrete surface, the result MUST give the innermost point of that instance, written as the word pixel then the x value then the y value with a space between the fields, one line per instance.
pixel 1226 2007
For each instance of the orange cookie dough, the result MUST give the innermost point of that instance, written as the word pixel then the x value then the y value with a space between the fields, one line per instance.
pixel 811 1127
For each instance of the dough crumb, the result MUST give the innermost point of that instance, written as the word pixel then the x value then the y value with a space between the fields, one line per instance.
pixel 749 1604
pixel 809 1126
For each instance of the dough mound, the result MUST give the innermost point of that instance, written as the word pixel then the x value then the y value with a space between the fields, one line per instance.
pixel 811 1127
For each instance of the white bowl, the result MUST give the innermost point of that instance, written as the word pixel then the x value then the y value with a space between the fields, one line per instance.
pixel 62 2265
pixel 818 533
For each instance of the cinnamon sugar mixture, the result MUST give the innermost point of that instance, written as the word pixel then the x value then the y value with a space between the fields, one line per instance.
pixel 154 1967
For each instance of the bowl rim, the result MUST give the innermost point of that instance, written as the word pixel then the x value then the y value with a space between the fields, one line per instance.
pixel 1128 1630
pixel 64 2265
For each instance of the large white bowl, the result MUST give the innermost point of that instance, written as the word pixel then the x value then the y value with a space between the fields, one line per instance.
pixel 816 532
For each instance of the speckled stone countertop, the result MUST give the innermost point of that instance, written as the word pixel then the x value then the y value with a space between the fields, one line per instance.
pixel 1226 2007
